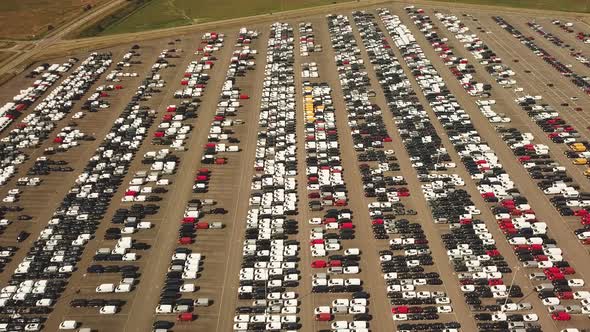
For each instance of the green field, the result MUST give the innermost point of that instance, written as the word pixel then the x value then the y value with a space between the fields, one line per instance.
pixel 142 15
pixel 580 6
pixel 157 14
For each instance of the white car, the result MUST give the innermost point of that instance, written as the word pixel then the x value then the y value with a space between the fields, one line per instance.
pixel 362 302
pixel 400 317
pixel 321 310
pixel 575 282
pixel 551 301
pixel 341 302
pixel 315 221
pixel 499 317
pixel 352 251
pixel 352 282
pixel 33 327
pixel 445 309
pixel 339 324
pixel 357 309
pixel 356 325
pixel 351 270
pixel 508 307
pixel 68 325
pixel 582 295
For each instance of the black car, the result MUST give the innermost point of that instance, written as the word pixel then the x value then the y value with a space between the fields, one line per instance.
pixel 22 236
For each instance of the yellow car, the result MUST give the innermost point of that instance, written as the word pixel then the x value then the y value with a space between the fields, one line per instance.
pixel 580 161
pixel 587 172
pixel 578 147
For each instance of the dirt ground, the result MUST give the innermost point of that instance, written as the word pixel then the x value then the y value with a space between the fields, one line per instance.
pixel 29 19
pixel 230 183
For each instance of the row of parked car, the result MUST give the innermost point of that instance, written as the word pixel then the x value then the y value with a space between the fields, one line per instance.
pixel 559 43
pixel 544 115
pixel 550 175
pixel 516 218
pixel 49 75
pixel 269 256
pixel 407 264
pixel 67 138
pixel 580 81
pixel 478 49
pixel 325 184
pixel 120 71
pixel 54 255
pixel 221 130
pixel 449 203
pixel 186 265
pixel 37 125
pixel 336 262
pixel 307 40
pixel 174 130
pixel 99 99
pixel 459 66
pixel 195 77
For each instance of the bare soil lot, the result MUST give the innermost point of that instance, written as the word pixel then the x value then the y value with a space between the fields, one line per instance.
pixel 30 19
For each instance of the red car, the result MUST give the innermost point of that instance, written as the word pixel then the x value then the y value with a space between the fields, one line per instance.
pixel 377 222
pixel 318 264
pixel 493 253
pixel 335 263
pixel 185 240
pixel 400 310
pixel 185 317
pixel 541 258
pixel 565 295
pixel 494 282
pixel 555 276
pixel 561 316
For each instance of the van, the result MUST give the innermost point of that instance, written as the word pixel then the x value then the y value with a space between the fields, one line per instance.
pixel 164 309
pixel 202 302
pixel 108 310
pixel 105 288
pixel 216 225
pixel 181 308
pixel 123 288
pixel 68 325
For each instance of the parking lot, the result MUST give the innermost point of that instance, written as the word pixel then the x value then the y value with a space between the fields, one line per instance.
pixel 409 168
